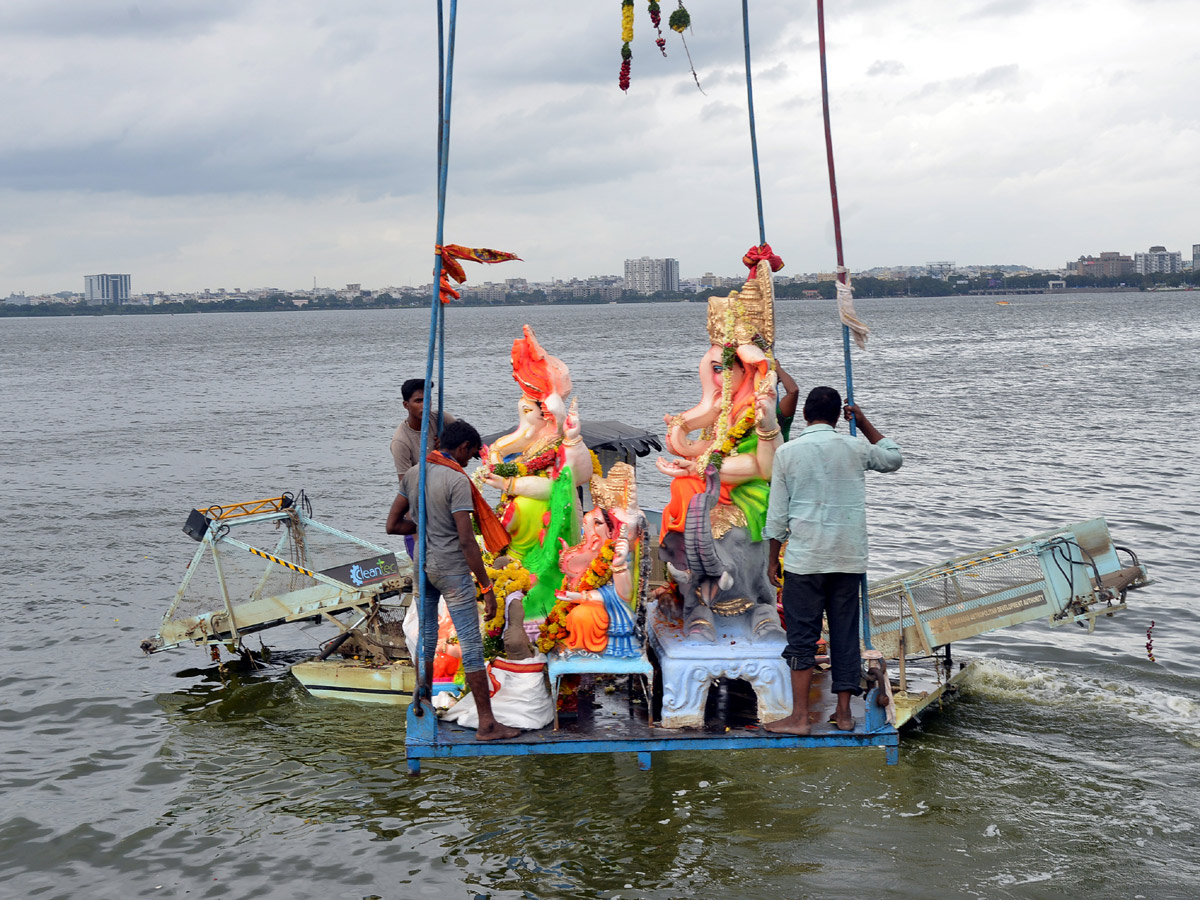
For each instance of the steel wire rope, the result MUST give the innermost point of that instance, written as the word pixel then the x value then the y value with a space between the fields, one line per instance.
pixel 762 231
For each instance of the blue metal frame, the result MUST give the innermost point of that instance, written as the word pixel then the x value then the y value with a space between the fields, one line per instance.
pixel 425 740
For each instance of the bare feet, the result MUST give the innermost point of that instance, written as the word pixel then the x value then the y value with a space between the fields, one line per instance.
pixel 844 721
pixel 793 724
pixel 496 732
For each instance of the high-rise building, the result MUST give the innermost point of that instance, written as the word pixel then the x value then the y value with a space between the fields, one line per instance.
pixel 104 290
pixel 1111 264
pixel 649 276
pixel 1159 260
pixel 1196 257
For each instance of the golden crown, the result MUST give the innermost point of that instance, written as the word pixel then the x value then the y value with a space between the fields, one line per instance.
pixel 612 491
pixel 753 311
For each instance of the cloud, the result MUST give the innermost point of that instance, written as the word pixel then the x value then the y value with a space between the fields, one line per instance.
pixel 885 67
pixel 64 19
pixel 252 142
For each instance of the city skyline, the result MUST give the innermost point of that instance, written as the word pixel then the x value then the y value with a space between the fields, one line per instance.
pixel 649 275
pixel 231 144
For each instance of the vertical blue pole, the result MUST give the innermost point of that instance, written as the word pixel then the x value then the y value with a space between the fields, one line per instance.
pixel 441 131
pixel 424 666
pixel 762 231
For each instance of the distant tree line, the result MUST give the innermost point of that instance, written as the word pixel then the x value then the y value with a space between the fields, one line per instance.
pixel 864 286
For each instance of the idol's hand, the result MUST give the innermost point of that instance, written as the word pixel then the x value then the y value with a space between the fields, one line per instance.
pixel 571 428
pixel 766 411
pixel 676 468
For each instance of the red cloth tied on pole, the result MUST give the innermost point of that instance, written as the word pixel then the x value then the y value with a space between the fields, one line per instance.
pixel 452 253
pixel 446 291
pixel 756 254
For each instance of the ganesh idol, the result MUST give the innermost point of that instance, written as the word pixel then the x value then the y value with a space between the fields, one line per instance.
pixel 537 468
pixel 725 447
pixel 603 575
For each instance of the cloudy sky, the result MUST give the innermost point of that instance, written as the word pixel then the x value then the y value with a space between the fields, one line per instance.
pixel 243 143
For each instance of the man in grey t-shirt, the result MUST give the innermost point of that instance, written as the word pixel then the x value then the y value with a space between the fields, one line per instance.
pixel 406 439
pixel 451 557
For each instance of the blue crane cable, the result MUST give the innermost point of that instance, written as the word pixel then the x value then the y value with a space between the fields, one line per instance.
pixel 762 231
pixel 441 311
pixel 424 665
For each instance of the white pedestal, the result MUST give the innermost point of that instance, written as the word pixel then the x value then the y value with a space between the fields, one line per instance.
pixel 690 666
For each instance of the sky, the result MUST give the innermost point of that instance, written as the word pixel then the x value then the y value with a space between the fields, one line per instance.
pixel 250 143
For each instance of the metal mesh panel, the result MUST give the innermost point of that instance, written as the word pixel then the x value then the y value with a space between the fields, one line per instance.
pixel 249 577
pixel 963 584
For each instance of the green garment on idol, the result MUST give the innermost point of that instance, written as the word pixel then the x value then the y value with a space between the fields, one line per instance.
pixel 751 496
pixel 542 561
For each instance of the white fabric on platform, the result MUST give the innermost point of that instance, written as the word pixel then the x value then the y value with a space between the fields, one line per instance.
pixel 519 696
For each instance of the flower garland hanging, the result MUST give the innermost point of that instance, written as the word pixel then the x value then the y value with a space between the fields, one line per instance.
pixel 626 37
pixel 554 630
pixel 543 460
pixel 728 356
pixel 599 573
pixel 656 21
pixel 728 446
pixel 681 21
pixel 597 469
pixel 512 578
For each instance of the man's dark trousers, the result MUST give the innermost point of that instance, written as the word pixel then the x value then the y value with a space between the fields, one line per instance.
pixel 837 594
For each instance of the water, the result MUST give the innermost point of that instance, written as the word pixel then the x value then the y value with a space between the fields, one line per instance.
pixel 1067 768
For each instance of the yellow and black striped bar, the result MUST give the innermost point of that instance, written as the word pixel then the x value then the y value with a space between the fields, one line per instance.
pixel 282 562
pixel 248 508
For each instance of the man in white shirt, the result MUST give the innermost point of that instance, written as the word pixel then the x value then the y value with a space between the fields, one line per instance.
pixel 818 506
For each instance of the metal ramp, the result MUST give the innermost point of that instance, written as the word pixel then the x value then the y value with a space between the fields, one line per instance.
pixel 267 562
pixel 1068 575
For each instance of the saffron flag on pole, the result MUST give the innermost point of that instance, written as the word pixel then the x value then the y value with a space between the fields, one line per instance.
pixel 452 253
pixel 845 301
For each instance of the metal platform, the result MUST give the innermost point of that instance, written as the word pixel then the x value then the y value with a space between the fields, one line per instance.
pixel 618 723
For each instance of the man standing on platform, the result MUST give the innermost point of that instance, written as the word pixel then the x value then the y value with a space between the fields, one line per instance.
pixel 406 440
pixel 452 556
pixel 818 506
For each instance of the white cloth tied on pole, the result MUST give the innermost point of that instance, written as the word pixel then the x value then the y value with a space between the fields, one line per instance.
pixel 845 302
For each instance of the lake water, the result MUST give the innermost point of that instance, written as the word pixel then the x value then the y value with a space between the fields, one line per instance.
pixel 1067 768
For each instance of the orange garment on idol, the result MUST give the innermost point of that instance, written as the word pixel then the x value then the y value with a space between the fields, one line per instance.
pixel 683 489
pixel 587 625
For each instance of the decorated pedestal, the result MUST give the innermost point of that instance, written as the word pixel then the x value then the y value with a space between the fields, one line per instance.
pixel 690 665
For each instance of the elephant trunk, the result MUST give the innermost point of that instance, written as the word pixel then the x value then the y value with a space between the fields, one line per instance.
pixel 703 556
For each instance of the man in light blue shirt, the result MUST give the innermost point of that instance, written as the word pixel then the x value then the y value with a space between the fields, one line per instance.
pixel 818 506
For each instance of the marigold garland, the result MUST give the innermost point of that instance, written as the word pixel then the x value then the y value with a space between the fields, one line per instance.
pixel 553 630
pixel 599 573
pixel 718 454
pixel 517 469
pixel 680 20
pixel 626 37
pixel 597 469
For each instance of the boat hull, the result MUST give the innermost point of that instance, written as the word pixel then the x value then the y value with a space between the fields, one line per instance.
pixel 351 680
